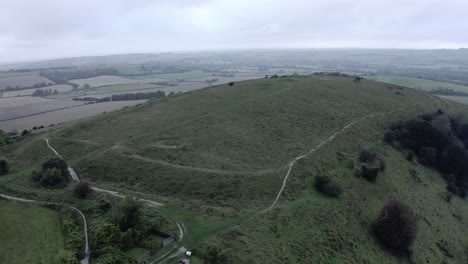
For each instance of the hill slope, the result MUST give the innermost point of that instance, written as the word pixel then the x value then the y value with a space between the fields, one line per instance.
pixel 220 156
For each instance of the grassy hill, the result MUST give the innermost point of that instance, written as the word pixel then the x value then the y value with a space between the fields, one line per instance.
pixel 217 158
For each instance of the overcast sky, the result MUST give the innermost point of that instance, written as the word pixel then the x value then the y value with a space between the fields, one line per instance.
pixel 33 29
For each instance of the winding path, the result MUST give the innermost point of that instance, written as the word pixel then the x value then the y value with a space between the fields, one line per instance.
pixel 293 162
pixel 75 177
pixel 85 260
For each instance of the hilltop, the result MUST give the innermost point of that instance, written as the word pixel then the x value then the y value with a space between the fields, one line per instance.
pixel 218 157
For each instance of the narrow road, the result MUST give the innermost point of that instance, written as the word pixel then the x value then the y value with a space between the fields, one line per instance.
pixel 85 260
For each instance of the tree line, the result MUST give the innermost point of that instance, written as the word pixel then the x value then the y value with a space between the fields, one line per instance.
pixel 62 77
pixel 447 91
pixel 36 85
pixel 45 92
pixel 124 97
pixel 438 141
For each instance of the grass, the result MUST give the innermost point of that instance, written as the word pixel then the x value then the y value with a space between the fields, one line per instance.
pixel 424 84
pixel 119 88
pixel 30 234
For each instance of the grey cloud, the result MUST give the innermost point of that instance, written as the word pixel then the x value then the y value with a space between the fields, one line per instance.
pixel 31 30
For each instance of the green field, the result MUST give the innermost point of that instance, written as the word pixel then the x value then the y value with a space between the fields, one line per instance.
pixel 423 84
pixel 29 234
pixel 121 88
pixel 184 75
pixel 217 158
pixel 460 99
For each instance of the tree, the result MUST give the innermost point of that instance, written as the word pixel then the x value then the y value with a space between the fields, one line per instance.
pixel 357 79
pixel 396 226
pixel 127 214
pixel 24 132
pixel 82 189
pixel 86 86
pixel 4 167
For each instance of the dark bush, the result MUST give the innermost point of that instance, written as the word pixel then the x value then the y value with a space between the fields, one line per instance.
pixel 54 173
pixel 82 190
pixel 372 165
pixel 4 167
pixel 231 84
pixel 367 155
pixel 327 187
pixel 369 173
pixel 389 137
pixel 396 226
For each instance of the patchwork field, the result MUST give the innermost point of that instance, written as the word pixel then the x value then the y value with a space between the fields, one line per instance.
pixel 184 75
pixel 15 107
pixel 112 80
pixel 22 81
pixel 77 112
pixel 423 84
pixel 61 88
pixel 29 234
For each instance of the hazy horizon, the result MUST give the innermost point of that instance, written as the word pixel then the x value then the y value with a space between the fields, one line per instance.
pixel 51 29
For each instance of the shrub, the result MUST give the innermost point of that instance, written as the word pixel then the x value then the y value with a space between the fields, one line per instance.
pixel 4 167
pixel 81 190
pixel 396 226
pixel 327 187
pixel 66 257
pixel 214 254
pixel 367 155
pixel 231 84
pixel 371 165
pixel 54 173
pixel 369 173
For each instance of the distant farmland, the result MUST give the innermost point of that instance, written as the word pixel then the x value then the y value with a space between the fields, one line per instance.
pixel 64 115
pixel 184 75
pixel 15 107
pixel 22 81
pixel 107 80
pixel 424 84
pixel 61 88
